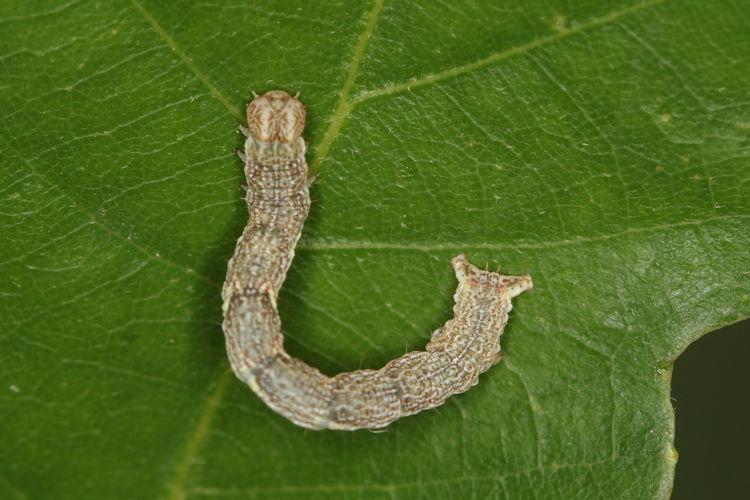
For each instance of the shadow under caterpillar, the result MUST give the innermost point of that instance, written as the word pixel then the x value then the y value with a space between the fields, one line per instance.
pixel 278 202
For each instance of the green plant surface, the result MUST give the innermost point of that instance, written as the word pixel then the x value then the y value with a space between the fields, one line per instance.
pixel 602 146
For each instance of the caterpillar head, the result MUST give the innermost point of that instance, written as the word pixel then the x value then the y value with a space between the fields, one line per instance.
pixel 276 117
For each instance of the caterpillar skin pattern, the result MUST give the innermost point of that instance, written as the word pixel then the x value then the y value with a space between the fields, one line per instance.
pixel 278 202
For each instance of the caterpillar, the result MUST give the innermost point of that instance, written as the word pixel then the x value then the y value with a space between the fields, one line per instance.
pixel 278 202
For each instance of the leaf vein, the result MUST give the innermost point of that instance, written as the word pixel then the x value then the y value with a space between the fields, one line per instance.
pixel 345 106
pixel 505 54
pixel 215 92
pixel 458 246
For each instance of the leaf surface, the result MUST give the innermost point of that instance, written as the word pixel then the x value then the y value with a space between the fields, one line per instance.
pixel 602 147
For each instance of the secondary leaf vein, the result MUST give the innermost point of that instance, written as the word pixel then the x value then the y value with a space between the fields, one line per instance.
pixel 499 56
pixel 215 92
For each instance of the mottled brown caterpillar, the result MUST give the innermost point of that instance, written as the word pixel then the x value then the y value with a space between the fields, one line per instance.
pixel 278 202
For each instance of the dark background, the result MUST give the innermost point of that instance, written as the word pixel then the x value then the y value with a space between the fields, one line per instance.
pixel 712 410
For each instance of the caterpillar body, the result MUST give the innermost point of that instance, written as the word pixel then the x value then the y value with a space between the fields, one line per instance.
pixel 278 202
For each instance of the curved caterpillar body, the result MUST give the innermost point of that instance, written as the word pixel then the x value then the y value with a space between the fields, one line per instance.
pixel 278 202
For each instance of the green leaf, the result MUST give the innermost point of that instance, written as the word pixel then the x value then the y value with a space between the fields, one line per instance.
pixel 603 147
